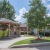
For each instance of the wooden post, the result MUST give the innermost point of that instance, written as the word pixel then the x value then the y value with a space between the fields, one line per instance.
pixel 9 29
pixel 27 30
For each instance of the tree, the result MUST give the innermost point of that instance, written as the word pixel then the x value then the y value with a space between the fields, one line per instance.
pixel 6 10
pixel 36 15
pixel 48 22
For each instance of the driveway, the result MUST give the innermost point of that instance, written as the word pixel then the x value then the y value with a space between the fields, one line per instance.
pixel 7 43
pixel 31 48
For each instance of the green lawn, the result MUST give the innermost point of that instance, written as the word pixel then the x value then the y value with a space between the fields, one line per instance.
pixel 32 40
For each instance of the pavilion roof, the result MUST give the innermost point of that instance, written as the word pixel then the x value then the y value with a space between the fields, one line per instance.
pixel 5 20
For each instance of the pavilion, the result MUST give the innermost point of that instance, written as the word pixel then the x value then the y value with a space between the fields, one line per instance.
pixel 12 26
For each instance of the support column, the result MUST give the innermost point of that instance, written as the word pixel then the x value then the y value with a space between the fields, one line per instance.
pixel 9 29
pixel 27 30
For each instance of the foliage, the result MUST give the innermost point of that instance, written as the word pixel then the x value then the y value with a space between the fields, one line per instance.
pixel 48 20
pixel 1 32
pixel 35 16
pixel 5 33
pixel 6 10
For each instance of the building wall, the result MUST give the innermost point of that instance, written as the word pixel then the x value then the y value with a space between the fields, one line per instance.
pixel 24 29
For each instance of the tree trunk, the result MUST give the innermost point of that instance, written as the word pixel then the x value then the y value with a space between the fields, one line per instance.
pixel 38 33
pixel 44 31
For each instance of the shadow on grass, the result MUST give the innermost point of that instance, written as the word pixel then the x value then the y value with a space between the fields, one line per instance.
pixel 38 41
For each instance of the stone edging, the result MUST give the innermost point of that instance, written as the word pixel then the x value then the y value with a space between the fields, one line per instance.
pixel 31 45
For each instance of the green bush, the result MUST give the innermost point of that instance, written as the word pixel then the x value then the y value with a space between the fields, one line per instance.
pixel 31 33
pixel 46 33
pixel 1 32
pixel 5 33
pixel 23 33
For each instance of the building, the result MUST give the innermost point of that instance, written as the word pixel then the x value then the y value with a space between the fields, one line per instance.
pixel 24 28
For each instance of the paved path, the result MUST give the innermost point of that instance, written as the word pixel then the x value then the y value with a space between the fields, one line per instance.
pixel 31 48
pixel 7 43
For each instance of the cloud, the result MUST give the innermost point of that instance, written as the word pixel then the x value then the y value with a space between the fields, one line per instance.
pixel 19 17
pixel 48 14
pixel 48 7
pixel 43 1
pixel 48 0
pixel 48 10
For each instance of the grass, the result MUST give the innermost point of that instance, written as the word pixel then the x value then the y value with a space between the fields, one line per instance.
pixel 27 41
pixel 32 41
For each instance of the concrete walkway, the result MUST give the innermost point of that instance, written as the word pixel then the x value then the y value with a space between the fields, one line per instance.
pixel 7 43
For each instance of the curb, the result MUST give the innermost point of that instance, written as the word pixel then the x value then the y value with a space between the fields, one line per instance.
pixel 31 45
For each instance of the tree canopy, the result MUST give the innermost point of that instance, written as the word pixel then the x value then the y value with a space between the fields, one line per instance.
pixel 36 14
pixel 6 10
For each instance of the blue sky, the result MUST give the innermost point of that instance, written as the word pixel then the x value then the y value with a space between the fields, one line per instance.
pixel 22 6
pixel 19 4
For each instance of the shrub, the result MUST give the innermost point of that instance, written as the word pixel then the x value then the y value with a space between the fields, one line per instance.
pixel 1 32
pixel 46 33
pixel 5 33
pixel 31 33
pixel 22 33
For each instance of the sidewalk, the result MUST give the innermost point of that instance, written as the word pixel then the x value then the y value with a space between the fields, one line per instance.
pixel 8 43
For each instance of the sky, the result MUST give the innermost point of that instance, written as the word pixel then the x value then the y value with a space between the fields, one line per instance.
pixel 22 6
